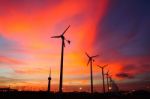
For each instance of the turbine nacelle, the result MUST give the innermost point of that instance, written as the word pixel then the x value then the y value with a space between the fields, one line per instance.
pixel 107 73
pixel 102 67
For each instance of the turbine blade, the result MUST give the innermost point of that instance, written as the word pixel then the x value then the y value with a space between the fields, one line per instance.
pixel 105 65
pixel 88 62
pixel 99 66
pixel 108 72
pixel 55 36
pixel 95 56
pixel 87 54
pixel 65 30
pixel 68 41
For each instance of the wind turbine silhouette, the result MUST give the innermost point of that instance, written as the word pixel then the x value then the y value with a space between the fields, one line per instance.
pixel 49 81
pixel 113 86
pixel 107 76
pixel 90 61
pixel 62 54
pixel 102 67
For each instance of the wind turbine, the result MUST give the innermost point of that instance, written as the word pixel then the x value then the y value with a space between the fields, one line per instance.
pixel 90 61
pixel 62 54
pixel 102 67
pixel 49 81
pixel 113 85
pixel 107 76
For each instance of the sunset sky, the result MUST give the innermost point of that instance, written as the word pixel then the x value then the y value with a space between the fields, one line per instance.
pixel 117 30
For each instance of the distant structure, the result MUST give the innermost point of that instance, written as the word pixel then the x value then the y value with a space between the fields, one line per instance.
pixel 102 67
pixel 49 82
pixel 113 86
pixel 7 89
pixel 62 56
pixel 90 61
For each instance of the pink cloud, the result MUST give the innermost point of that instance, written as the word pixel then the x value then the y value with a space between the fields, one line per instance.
pixel 9 60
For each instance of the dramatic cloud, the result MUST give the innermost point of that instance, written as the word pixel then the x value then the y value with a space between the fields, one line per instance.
pixel 129 67
pixel 124 75
pixel 137 69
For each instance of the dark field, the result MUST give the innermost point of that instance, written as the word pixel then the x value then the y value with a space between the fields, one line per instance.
pixel 75 95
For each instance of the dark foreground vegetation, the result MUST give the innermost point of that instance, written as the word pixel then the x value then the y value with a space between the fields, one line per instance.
pixel 75 95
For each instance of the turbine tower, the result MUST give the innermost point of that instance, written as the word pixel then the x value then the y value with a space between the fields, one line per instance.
pixel 49 81
pixel 91 61
pixel 62 54
pixel 107 77
pixel 102 67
